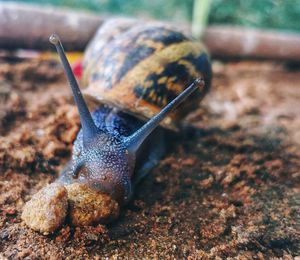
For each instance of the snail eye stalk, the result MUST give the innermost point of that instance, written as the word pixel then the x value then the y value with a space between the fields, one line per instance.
pixel 134 141
pixel 89 128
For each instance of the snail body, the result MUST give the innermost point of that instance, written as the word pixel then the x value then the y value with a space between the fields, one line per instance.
pixel 139 74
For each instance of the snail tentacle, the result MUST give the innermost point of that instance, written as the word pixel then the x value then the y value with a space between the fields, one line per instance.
pixel 89 128
pixel 134 141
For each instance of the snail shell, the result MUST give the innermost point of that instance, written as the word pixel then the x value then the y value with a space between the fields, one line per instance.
pixel 140 68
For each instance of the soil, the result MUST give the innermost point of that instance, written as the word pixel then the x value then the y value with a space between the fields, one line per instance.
pixel 228 188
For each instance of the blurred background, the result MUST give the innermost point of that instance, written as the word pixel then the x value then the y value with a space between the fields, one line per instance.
pixel 275 14
pixel 256 29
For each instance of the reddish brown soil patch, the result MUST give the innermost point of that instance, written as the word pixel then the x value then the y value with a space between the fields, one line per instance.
pixel 229 187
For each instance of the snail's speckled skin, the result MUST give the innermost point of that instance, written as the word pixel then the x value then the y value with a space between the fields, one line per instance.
pixel 133 73
pixel 110 169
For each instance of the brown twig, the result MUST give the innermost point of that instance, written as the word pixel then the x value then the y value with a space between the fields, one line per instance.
pixel 28 26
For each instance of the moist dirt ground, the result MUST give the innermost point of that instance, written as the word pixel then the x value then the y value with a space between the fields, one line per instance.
pixel 228 187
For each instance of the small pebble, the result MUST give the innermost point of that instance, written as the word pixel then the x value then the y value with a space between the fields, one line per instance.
pixel 88 206
pixel 47 209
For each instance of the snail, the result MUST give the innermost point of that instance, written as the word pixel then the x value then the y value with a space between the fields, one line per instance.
pixel 135 78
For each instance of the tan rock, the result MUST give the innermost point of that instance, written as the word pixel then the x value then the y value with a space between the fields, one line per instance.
pixel 47 209
pixel 88 206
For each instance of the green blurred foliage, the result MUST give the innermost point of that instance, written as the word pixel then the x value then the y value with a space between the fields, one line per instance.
pixel 180 9
pixel 277 14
